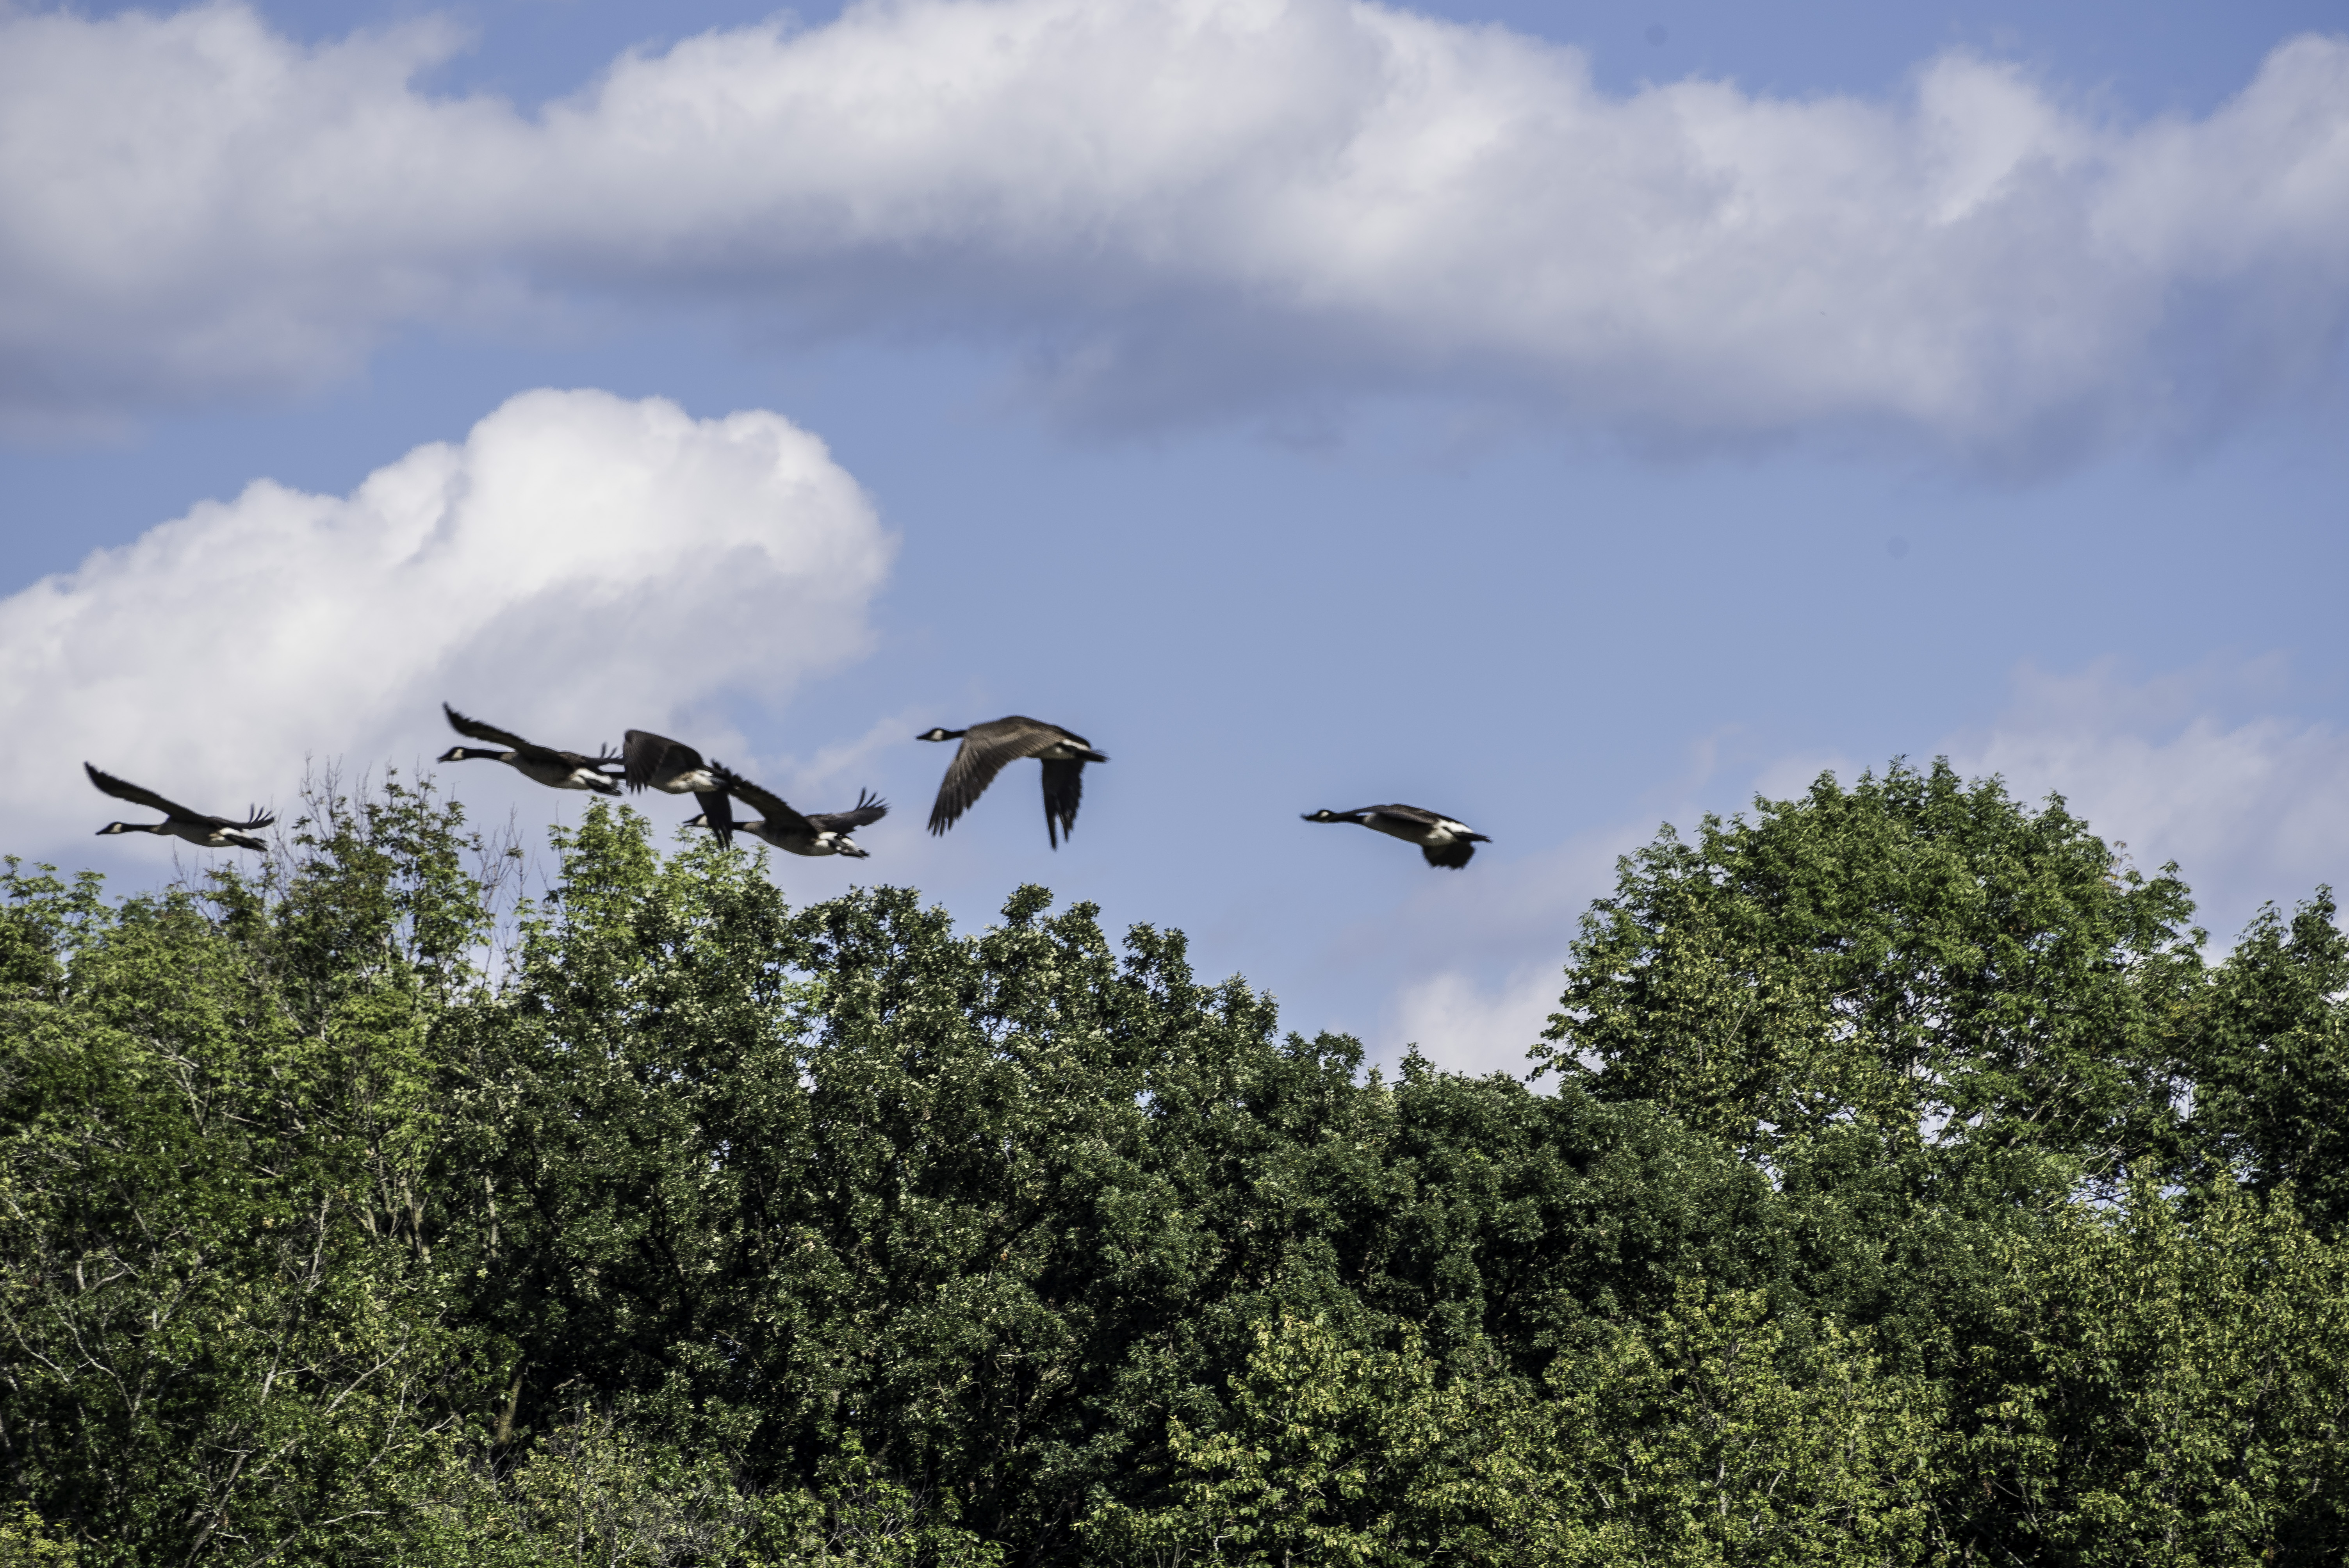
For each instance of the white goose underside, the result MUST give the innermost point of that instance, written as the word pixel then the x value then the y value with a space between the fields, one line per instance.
pixel 1443 831
pixel 824 843
pixel 209 838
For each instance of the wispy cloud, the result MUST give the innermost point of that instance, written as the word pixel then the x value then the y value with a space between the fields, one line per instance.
pixel 2186 767
pixel 842 767
pixel 577 564
pixel 1177 207
pixel 1465 1026
pixel 1477 960
pixel 2205 766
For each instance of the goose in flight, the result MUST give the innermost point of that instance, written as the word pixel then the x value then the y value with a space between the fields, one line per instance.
pixel 657 761
pixel 212 832
pixel 822 833
pixel 543 764
pixel 986 747
pixel 1443 841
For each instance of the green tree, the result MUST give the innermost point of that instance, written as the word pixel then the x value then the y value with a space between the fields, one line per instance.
pixel 1710 1435
pixel 1914 956
pixel 2268 1050
pixel 224 1334
pixel 1331 1454
pixel 2172 1386
pixel 27 1542
pixel 991 1205
pixel 1705 1436
pixel 793 1179
pixel 353 1209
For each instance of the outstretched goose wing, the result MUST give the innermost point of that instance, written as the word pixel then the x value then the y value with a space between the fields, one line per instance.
pixel 869 809
pixel 1451 856
pixel 475 729
pixel 1419 814
pixel 1065 787
pixel 717 815
pixel 139 795
pixel 123 789
pixel 646 756
pixel 984 753
pixel 778 815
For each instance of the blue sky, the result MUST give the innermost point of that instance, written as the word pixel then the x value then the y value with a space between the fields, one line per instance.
pixel 1572 418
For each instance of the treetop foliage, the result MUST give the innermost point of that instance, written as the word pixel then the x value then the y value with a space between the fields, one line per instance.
pixel 1913 1189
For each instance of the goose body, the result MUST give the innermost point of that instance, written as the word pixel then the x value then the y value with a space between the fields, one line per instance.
pixel 656 762
pixel 800 833
pixel 988 748
pixel 1444 842
pixel 210 832
pixel 540 764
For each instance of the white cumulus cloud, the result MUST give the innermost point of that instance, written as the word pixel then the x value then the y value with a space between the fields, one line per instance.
pixel 578 564
pixel 1180 206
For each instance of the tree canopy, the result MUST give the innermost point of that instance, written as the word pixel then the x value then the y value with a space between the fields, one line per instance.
pixel 1901 1183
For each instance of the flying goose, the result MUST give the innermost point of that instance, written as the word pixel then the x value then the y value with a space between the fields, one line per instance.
pixel 212 832
pixel 824 833
pixel 543 764
pixel 1443 841
pixel 672 765
pixel 986 747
